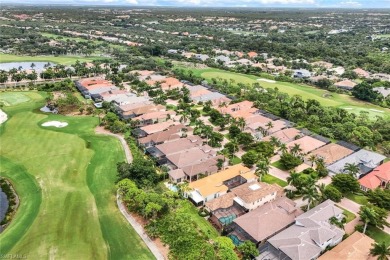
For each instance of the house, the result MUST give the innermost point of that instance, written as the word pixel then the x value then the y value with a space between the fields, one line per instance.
pixel 222 58
pixel 355 247
pixel 285 136
pixel 323 64
pixel 133 110
pixel 338 70
pixel 202 57
pixel 153 117
pixel 361 73
pixel 218 184
pixel 311 234
pixel 152 129
pixel 345 84
pixel 173 132
pixel 265 221
pixel 364 159
pixel 96 85
pixel 172 51
pixel 307 144
pixel 243 62
pixel 378 178
pixel 260 129
pixel 381 76
pixel 384 91
pixel 237 110
pixel 331 153
pixel 170 83
pixel 302 73
pixel 252 54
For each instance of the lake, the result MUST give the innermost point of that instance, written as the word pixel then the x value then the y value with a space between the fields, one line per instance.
pixel 25 65
pixel 3 205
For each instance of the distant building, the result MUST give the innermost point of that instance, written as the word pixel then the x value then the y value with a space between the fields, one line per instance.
pixel 302 73
pixel 345 84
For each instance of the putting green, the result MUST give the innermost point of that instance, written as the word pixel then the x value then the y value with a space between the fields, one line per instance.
pixel 65 179
pixel 15 98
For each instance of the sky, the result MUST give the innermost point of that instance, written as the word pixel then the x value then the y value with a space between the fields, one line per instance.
pixel 222 3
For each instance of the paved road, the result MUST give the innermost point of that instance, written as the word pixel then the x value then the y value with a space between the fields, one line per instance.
pixel 137 227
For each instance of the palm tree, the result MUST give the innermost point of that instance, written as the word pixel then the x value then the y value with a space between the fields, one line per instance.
pixel 312 159
pixel 283 147
pixel 262 168
pixel 296 149
pixel 241 123
pixel 293 179
pixel 311 195
pixel 321 190
pixel 382 251
pixel 351 168
pixel 184 188
pixel 269 125
pixel 336 222
pixel 184 117
pixel 368 215
pixel 275 141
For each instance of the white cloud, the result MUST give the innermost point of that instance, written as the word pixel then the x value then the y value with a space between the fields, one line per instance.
pixel 350 3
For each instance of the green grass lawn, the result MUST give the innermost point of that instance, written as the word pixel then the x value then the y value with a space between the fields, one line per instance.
pixel 272 179
pixel 63 38
pixel 358 198
pixel 279 165
pixel 65 179
pixel 378 235
pixel 326 98
pixel 201 222
pixel 349 216
pixel 65 60
pixel 235 160
pixel 15 98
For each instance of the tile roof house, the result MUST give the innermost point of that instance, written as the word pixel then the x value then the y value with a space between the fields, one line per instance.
pixel 153 117
pixel 307 144
pixel 331 153
pixel 345 84
pixel 173 132
pixel 324 64
pixel 252 54
pixel 364 159
pixel 311 234
pixel 355 247
pixel 256 128
pixel 218 184
pixel 155 128
pixel 162 150
pixel 286 135
pixel 133 110
pixel 384 91
pixel 361 73
pixel 240 109
pixel 302 73
pixel 379 177
pixel 265 221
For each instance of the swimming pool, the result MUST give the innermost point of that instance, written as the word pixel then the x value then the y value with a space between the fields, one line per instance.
pixel 235 239
pixel 228 219
pixel 172 187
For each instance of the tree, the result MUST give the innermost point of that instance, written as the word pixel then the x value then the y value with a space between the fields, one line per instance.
pixel 373 215
pixel 296 149
pixel 225 248
pixel 310 194
pixel 345 183
pixel 382 251
pixel 332 193
pixel 262 168
pixel 234 131
pixel 248 250
pixel 141 171
pixel 245 139
pixel 250 158
pixel 289 161
pixel 380 198
pixel 351 168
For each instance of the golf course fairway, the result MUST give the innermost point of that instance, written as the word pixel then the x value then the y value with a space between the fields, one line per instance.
pixel 65 181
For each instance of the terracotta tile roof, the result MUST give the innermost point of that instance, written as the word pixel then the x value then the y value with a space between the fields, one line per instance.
pixel 155 115
pixel 285 135
pixel 223 202
pixel 214 183
pixel 94 81
pixel 257 119
pixel 150 129
pixel 249 194
pixel 188 157
pixel 178 145
pixel 177 174
pixel 208 166
pixel 307 144
pixel 162 136
pixel 345 83
pixel 252 54
pixel 269 219
pixel 241 106
pixel 331 152
pixel 355 247
pixel 373 179
pixel 361 72
pixel 128 107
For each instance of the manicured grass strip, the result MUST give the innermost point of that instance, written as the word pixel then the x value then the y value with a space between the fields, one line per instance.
pixel 235 160
pixel 279 165
pixel 65 60
pixel 272 179
pixel 349 216
pixel 358 198
pixel 201 223
pixel 378 235
pixel 30 196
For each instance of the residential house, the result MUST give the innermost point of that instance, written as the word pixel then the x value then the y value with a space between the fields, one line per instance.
pixel 252 54
pixel 202 57
pixel 153 117
pixel 338 70
pixel 265 221
pixel 361 73
pixel 311 234
pixel 152 129
pixel 307 144
pixel 331 153
pixel 345 84
pixel 384 91
pixel 302 73
pixel 381 76
pixel 243 62
pixel 364 159
pixel 173 132
pixel 378 178
pixel 96 85
pixel 323 64
pixel 285 136
pixel 239 109
pixel 133 110
pixel 355 247
pixel 218 184
pixel 223 59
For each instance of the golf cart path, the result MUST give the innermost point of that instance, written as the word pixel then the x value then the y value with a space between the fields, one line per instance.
pixel 136 226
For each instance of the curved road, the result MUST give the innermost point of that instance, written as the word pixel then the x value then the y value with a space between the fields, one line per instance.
pixel 137 227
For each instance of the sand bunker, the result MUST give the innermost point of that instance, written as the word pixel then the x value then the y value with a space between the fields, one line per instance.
pixel 3 117
pixel 267 80
pixel 55 124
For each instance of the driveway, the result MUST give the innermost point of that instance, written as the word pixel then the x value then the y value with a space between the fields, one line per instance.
pixel 278 173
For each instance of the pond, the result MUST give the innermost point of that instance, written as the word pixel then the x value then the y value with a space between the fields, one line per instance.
pixel 25 65
pixel 3 205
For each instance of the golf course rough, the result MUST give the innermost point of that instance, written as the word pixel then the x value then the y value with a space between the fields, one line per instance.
pixel 66 190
